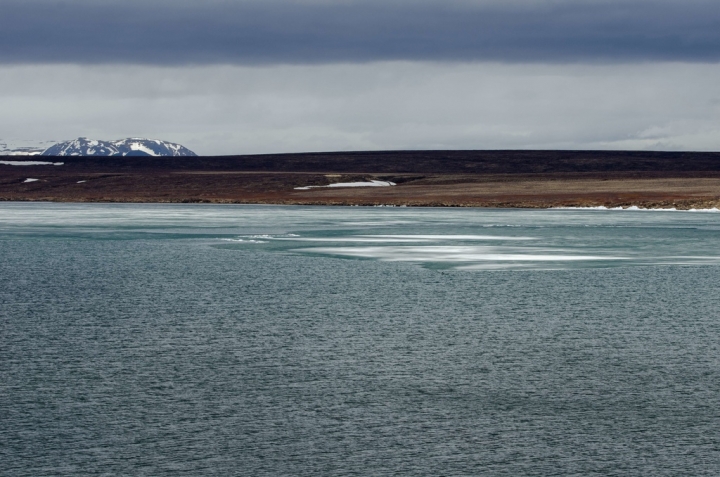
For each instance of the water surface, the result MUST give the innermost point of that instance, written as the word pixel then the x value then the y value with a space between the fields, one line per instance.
pixel 264 340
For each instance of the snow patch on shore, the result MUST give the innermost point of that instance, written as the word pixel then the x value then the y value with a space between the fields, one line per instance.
pixel 351 184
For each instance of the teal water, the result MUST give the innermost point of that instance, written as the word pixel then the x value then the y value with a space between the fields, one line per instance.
pixel 264 340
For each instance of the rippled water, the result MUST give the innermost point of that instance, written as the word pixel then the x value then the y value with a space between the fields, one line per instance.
pixel 260 340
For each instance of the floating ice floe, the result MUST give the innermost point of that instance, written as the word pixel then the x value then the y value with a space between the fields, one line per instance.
pixel 31 163
pixel 351 184
pixel 238 240
pixel 260 238
pixel 30 179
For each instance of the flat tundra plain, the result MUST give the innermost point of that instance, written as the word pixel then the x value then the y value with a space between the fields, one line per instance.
pixel 531 179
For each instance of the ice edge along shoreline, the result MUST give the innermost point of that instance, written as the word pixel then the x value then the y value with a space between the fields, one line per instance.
pixel 632 208
pixel 635 208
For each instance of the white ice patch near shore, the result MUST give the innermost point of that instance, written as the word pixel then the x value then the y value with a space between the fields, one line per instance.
pixel 29 179
pixel 452 254
pixel 351 184
pixel 602 207
pixel 635 207
pixel 31 163
pixel 451 237
pixel 239 240
pixel 358 239
pixel 259 238
pixel 396 238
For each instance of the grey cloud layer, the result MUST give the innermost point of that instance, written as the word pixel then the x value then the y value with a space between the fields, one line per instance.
pixel 252 32
pixel 396 105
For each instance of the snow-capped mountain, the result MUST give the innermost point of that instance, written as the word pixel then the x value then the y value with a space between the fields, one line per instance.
pixel 123 147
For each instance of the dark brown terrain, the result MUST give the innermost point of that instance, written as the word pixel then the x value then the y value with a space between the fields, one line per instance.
pixel 424 178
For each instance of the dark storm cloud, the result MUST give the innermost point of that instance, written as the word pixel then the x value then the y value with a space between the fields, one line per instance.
pixel 252 32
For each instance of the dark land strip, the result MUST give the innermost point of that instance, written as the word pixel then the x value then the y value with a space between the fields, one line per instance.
pixel 424 178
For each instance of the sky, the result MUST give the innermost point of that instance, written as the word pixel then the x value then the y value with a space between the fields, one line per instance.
pixel 267 76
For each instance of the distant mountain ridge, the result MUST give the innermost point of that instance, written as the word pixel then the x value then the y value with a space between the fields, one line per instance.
pixel 123 147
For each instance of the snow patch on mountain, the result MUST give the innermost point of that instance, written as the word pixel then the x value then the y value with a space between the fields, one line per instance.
pixel 123 147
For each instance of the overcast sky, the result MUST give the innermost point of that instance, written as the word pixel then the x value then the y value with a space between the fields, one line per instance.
pixel 233 77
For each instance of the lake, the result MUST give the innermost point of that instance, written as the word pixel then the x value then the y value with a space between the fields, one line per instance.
pixel 142 339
